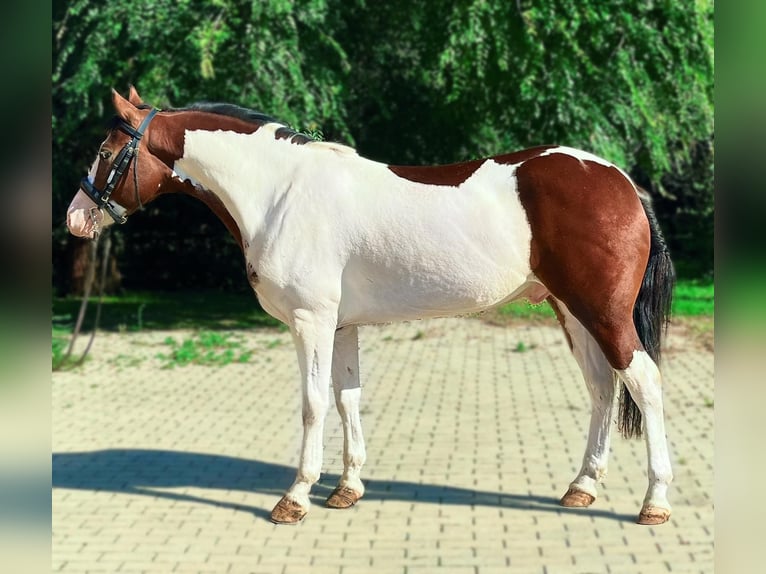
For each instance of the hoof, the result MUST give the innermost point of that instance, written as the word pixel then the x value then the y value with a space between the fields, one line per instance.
pixel 652 515
pixel 576 499
pixel 342 497
pixel 288 512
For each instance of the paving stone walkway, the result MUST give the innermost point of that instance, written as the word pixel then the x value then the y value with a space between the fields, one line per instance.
pixel 473 432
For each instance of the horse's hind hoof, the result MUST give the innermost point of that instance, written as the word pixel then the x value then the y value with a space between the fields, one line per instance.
pixel 288 512
pixel 576 499
pixel 652 515
pixel 342 497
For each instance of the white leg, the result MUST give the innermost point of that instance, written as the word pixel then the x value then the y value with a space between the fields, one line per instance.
pixel 642 377
pixel 600 380
pixel 313 336
pixel 348 391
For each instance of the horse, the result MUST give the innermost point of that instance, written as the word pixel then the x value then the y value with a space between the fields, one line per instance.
pixel 333 240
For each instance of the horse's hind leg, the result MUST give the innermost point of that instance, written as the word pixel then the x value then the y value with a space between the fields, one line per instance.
pixel 642 378
pixel 618 339
pixel 620 346
pixel 600 380
pixel 348 391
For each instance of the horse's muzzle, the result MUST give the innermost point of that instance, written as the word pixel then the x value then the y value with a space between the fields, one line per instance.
pixel 83 218
pixel 79 223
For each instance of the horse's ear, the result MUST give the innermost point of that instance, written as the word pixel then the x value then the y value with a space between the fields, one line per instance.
pixel 134 98
pixel 125 109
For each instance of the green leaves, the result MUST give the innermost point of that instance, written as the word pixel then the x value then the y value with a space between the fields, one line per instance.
pixel 407 81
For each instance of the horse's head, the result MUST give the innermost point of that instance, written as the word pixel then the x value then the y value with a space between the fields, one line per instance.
pixel 121 180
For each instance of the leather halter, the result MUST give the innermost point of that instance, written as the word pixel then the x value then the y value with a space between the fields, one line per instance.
pixel 120 164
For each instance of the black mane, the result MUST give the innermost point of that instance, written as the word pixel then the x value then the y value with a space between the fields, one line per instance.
pixel 250 116
pixel 232 111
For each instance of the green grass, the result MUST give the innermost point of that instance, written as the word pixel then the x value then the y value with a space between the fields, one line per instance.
pixel 691 299
pixel 59 344
pixel 204 348
pixel 213 311
pixel 524 310
pixel 216 311
pixel 200 310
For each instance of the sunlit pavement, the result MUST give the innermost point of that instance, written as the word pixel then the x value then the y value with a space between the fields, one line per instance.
pixel 473 433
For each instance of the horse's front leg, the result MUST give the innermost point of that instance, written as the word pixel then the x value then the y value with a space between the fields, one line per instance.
pixel 348 391
pixel 313 335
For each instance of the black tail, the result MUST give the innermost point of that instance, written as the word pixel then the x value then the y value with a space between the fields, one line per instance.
pixel 650 313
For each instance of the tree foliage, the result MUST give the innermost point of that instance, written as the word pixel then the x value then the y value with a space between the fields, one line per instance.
pixel 415 81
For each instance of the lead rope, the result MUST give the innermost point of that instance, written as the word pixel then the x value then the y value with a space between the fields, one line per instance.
pixel 107 245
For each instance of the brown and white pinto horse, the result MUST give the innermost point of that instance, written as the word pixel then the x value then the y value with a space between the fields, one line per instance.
pixel 332 241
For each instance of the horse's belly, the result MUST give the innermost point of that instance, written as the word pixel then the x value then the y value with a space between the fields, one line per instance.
pixel 387 294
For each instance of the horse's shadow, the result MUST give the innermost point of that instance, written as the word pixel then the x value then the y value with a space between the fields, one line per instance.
pixel 149 472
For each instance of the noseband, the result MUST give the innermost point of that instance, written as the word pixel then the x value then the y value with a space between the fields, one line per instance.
pixel 120 164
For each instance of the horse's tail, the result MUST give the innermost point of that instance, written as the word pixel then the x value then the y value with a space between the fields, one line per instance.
pixel 651 312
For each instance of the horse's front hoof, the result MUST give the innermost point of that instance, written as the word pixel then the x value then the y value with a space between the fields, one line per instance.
pixel 288 512
pixel 576 499
pixel 652 515
pixel 342 497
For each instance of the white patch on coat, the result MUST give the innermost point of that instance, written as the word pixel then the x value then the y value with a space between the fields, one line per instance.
pixel 374 245
pixel 642 377
pixel 576 153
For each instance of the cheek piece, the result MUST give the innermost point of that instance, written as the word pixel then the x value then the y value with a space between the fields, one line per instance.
pixel 120 164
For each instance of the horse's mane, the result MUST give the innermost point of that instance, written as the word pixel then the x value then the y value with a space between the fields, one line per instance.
pixel 261 119
pixel 253 117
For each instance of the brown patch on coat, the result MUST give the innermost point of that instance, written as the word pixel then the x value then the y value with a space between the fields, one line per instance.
pixel 456 173
pixel 451 175
pixel 590 244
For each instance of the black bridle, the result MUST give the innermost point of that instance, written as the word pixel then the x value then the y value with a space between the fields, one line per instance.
pixel 120 164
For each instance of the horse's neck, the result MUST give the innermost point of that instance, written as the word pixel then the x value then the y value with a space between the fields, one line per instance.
pixel 248 173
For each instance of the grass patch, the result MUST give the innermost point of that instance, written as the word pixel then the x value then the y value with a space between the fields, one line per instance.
pixel 205 348
pixel 59 344
pixel 522 347
pixel 212 311
pixel 131 312
pixel 525 310
pixel 217 311
pixel 691 298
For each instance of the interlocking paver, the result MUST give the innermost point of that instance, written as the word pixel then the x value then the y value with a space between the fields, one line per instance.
pixel 471 439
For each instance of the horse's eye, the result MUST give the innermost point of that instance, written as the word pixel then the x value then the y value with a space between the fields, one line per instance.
pixel 105 154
